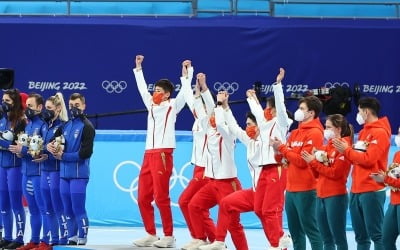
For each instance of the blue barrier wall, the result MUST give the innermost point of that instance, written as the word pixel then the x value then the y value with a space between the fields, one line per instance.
pixel 95 56
pixel 115 165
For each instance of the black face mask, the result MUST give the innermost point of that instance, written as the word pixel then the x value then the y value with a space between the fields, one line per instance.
pixel 30 113
pixel 48 115
pixel 75 112
pixel 6 107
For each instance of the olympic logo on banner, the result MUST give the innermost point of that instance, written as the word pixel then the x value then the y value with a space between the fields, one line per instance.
pixel 114 86
pixel 132 188
pixel 329 85
pixel 230 87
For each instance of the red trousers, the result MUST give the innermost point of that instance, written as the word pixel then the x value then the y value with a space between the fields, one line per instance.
pixel 267 202
pixel 209 196
pixel 197 182
pixel 154 185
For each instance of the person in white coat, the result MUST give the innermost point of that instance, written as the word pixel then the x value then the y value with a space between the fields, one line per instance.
pixel 157 163
pixel 266 197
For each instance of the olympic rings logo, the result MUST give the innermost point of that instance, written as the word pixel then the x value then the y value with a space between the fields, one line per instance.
pixel 134 184
pixel 114 86
pixel 226 86
pixel 329 85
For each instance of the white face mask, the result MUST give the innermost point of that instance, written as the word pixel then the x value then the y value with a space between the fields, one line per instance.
pixel 299 115
pixel 329 134
pixel 360 120
pixel 397 140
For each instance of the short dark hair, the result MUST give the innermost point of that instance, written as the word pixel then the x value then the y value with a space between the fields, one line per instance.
pixel 166 85
pixel 271 101
pixel 38 98
pixel 313 103
pixel 251 116
pixel 79 96
pixel 370 103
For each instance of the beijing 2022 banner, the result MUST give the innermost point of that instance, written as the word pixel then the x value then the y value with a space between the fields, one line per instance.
pixel 95 56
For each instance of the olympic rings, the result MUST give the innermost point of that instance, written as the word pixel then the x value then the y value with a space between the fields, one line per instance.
pixel 114 86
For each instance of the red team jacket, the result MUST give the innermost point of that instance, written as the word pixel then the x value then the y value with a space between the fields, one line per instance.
pixel 394 195
pixel 332 178
pixel 299 175
pixel 377 135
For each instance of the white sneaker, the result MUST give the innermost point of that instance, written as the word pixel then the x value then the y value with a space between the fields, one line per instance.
pixel 216 245
pixel 82 241
pixel 285 241
pixel 165 242
pixel 146 241
pixel 197 244
pixel 189 244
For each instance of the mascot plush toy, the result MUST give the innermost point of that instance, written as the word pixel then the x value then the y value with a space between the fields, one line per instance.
pixel 6 136
pixel 322 156
pixel 23 139
pixel 59 143
pixel 35 146
pixel 394 172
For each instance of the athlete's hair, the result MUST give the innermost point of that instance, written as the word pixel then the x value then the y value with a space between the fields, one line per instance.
pixel 271 102
pixel 251 116
pixel 16 113
pixel 38 98
pixel 79 96
pixel 58 101
pixel 339 121
pixel 166 85
pixel 313 104
pixel 370 103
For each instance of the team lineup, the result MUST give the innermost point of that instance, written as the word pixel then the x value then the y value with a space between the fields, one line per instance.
pixel 304 169
pixel 45 151
pixel 44 158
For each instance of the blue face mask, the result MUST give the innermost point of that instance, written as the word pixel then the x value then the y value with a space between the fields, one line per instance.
pixel 30 113
pixel 6 107
pixel 75 112
pixel 48 115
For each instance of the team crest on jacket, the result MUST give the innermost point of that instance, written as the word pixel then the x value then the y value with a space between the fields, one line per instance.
pixel 76 133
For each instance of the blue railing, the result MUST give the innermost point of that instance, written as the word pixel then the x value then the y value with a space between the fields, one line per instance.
pixel 203 8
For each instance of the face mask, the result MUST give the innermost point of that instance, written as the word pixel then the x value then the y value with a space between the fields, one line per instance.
pixel 299 115
pixel 360 120
pixel 75 112
pixel 329 134
pixel 268 114
pixel 212 122
pixel 6 107
pixel 157 97
pixel 397 140
pixel 48 115
pixel 251 131
pixel 30 113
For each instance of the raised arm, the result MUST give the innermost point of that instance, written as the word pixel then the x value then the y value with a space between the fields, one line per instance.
pixel 206 94
pixel 281 114
pixel 141 83
pixel 186 88
pixel 255 106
